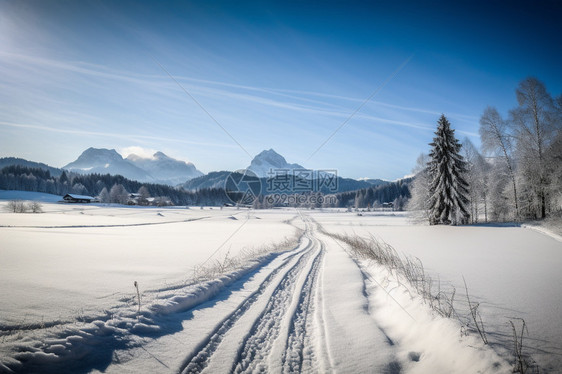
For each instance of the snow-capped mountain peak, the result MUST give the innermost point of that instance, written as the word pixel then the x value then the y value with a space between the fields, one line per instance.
pixel 161 156
pixel 159 168
pixel 269 160
pixel 166 169
pixel 98 156
pixel 106 161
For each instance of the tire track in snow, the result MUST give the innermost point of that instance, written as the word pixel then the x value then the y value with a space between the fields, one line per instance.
pixel 322 346
pixel 299 353
pixel 201 356
pixel 257 345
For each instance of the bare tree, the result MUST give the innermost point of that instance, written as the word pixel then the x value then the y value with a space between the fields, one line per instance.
pixel 143 195
pixel 118 194
pixel 554 160
pixel 79 188
pixel 419 189
pixel 496 141
pixel 163 201
pixel 477 178
pixel 36 207
pixel 558 106
pixel 534 124
pixel 501 208
pixel 12 206
pixel 104 196
pixel 17 206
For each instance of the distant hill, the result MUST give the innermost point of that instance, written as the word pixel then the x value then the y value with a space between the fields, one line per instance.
pixel 217 179
pixel 10 161
pixel 29 196
pixel 374 182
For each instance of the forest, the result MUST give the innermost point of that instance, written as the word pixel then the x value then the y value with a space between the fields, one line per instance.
pixel 517 173
pixel 117 189
pixel 109 188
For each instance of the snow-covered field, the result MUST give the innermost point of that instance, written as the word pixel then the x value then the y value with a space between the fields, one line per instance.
pixel 69 304
pixel 514 272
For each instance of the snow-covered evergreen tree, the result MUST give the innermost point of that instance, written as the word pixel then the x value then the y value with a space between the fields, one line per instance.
pixel 448 188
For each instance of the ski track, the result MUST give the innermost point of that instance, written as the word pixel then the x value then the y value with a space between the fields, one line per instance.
pixel 281 326
pixel 298 357
pixel 277 336
pixel 199 360
pixel 266 329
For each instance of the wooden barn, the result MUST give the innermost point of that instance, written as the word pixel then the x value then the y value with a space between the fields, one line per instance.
pixel 73 198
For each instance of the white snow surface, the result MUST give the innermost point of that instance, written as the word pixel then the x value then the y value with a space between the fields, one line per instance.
pixel 30 196
pixel 512 271
pixel 68 274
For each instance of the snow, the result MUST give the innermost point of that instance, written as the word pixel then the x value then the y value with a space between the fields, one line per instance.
pixel 31 196
pixel 514 272
pixel 102 250
pixel 544 228
pixel 216 298
pixel 351 333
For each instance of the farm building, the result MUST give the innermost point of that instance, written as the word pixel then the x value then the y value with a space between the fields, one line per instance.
pixel 73 198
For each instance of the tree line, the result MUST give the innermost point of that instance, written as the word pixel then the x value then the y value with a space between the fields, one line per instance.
pixel 516 175
pixel 109 188
pixel 117 189
pixel 396 193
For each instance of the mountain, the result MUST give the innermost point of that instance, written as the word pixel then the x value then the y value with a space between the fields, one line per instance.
pixel 10 161
pixel 269 160
pixel 156 169
pixel 374 182
pixel 165 169
pixel 215 179
pixel 107 161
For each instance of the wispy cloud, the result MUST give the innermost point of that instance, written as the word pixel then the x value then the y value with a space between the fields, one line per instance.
pixel 125 136
pixel 137 150
pixel 159 82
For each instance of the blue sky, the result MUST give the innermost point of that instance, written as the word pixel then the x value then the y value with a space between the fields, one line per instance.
pixel 283 75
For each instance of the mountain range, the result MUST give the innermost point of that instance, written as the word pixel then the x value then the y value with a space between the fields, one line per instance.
pixel 268 163
pixel 162 169
pixel 157 169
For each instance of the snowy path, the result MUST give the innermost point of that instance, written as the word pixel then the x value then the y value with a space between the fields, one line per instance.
pixel 310 310
pixel 300 317
pixel 255 336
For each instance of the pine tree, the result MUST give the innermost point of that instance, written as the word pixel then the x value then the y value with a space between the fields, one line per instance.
pixel 448 188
